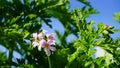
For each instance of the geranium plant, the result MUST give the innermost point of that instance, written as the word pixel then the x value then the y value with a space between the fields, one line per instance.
pixel 23 43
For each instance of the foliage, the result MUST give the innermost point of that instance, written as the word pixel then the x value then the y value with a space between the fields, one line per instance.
pixel 19 19
pixel 117 16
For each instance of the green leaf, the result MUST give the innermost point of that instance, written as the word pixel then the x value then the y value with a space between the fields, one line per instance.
pixel 101 27
pixel 15 19
pixel 3 58
pixel 31 16
pixel 25 34
pixel 74 55
pixel 117 16
pixel 88 63
pixel 108 58
pixel 85 2
pixel 90 25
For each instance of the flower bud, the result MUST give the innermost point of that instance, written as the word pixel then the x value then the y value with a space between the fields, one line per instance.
pixel 110 27
pixel 105 32
pixel 111 31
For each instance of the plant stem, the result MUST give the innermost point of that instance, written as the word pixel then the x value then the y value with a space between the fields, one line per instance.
pixel 49 62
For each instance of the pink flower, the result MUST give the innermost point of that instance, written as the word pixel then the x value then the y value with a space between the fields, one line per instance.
pixel 47 46
pixel 37 38
pixel 40 35
pixel 44 41
pixel 51 36
pixel 35 43
pixel 35 35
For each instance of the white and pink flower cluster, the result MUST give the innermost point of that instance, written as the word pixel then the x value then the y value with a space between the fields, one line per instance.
pixel 44 41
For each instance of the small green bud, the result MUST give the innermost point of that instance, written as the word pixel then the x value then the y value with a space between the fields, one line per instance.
pixel 105 26
pixel 105 32
pixel 110 27
pixel 111 31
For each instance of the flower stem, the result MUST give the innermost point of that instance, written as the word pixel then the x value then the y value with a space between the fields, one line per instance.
pixel 49 62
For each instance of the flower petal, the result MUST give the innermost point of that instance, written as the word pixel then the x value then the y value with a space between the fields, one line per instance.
pixel 51 36
pixel 35 35
pixel 50 42
pixel 34 43
pixel 40 36
pixel 53 42
pixel 44 31
pixel 52 48
pixel 39 47
pixel 43 42
pixel 47 51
